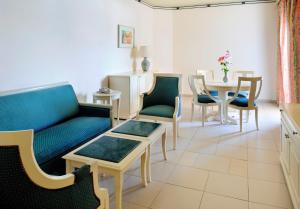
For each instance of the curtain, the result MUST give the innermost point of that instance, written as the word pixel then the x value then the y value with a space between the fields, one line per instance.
pixel 288 51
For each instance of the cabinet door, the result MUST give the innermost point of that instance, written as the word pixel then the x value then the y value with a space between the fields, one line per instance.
pixel 294 171
pixel 285 147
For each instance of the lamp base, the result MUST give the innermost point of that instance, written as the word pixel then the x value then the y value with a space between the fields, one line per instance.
pixel 145 64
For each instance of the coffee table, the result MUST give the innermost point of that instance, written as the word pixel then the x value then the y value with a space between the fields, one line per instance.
pixel 113 156
pixel 145 131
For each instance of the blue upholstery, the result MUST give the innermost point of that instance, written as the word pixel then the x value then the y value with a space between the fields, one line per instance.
pixel 37 109
pixel 214 93
pixel 164 92
pixel 58 121
pixel 241 102
pixel 60 138
pixel 240 94
pixel 202 98
pixel 159 111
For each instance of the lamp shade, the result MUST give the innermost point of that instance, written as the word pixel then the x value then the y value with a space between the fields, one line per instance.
pixel 145 51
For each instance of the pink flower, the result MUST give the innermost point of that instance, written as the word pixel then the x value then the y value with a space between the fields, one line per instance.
pixel 221 59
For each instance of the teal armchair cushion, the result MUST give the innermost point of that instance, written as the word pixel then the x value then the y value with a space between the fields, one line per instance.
pixel 241 102
pixel 164 92
pixel 203 98
pixel 37 109
pixel 159 111
pixel 63 137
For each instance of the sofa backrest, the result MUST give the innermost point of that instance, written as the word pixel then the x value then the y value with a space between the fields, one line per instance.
pixel 37 108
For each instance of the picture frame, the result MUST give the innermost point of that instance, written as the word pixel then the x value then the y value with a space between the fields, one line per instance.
pixel 126 36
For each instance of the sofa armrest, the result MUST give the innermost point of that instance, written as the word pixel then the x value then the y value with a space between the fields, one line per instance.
pixel 95 110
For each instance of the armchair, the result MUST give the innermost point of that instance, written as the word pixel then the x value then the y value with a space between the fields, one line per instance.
pixel 25 185
pixel 163 101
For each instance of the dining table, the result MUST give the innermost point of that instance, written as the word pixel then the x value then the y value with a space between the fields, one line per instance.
pixel 223 89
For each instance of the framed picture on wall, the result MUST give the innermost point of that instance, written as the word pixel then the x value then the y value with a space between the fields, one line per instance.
pixel 125 36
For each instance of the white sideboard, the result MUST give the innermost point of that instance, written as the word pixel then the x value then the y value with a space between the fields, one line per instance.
pixel 131 85
pixel 290 150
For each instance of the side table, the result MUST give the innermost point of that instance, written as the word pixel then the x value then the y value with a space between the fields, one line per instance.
pixel 108 99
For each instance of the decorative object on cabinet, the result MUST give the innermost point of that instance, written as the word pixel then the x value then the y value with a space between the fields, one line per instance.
pixel 289 150
pixel 248 103
pixel 125 36
pixel 145 53
pixel 163 101
pixel 108 98
pixel 131 85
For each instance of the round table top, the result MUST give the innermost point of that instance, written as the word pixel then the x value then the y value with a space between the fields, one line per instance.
pixel 226 86
pixel 112 93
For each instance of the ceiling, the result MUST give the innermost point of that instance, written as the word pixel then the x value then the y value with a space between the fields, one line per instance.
pixel 193 3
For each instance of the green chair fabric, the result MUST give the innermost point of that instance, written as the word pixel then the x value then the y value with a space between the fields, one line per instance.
pixel 18 191
pixel 137 128
pixel 164 92
pixel 37 109
pixel 63 137
pixel 203 98
pixel 241 102
pixel 109 148
pixel 159 111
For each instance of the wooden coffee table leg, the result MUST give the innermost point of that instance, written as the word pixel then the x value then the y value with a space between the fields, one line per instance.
pixel 118 190
pixel 164 147
pixel 148 162
pixel 144 168
pixel 69 167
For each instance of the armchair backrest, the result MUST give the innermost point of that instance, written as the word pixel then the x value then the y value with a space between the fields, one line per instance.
pixel 255 88
pixel 25 185
pixel 166 87
pixel 198 86
pixel 209 75
pixel 37 108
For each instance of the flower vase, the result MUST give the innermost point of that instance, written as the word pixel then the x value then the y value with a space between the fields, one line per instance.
pixel 225 78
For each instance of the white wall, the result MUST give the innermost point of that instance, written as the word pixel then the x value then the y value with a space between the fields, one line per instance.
pixel 249 32
pixel 72 40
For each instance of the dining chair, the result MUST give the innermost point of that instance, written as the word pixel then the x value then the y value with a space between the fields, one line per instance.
pixel 246 103
pixel 202 97
pixel 163 101
pixel 241 73
pixel 209 75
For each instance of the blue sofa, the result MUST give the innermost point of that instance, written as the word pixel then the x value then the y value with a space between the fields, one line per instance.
pixel 59 122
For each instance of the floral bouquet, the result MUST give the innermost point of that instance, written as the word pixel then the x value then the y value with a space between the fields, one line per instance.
pixel 225 62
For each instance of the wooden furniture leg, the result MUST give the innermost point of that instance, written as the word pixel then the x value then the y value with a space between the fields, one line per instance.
pixel 164 144
pixel 144 168
pixel 148 164
pixel 118 190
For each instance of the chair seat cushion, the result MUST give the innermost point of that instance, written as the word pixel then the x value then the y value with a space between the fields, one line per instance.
pixel 240 94
pixel 241 102
pixel 203 98
pixel 58 139
pixel 164 111
pixel 214 93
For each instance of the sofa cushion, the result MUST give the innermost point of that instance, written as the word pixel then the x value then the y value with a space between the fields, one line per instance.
pixel 60 138
pixel 159 111
pixel 38 108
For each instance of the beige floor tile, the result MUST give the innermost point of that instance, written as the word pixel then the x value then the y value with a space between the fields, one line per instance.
pixel 264 156
pixel 261 206
pixel 174 197
pixel 173 156
pixel 212 163
pixel 232 152
pixel 189 177
pixel 212 201
pixel 139 195
pixel 227 185
pixel 238 167
pixel 234 140
pixel 268 172
pixel 161 171
pixel 127 205
pixel 269 193
pixel 202 147
pixel 268 144
pixel 188 158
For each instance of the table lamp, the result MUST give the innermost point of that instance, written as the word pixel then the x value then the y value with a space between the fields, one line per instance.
pixel 145 52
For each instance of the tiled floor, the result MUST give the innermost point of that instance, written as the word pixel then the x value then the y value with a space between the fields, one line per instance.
pixel 214 167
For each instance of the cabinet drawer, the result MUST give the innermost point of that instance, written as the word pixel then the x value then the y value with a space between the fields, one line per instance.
pixel 285 147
